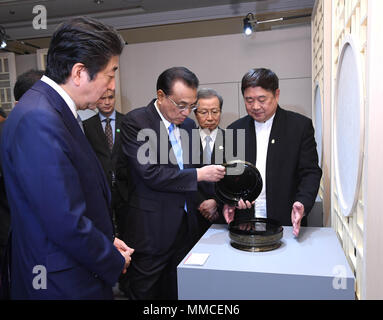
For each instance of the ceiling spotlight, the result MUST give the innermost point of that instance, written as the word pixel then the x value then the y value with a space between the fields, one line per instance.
pixel 248 24
pixel 247 28
pixel 3 38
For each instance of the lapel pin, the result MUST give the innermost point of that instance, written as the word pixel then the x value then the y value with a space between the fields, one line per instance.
pixel 117 130
pixel 273 141
pixel 220 147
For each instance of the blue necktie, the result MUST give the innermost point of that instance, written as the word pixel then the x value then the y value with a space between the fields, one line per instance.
pixel 177 150
pixel 176 146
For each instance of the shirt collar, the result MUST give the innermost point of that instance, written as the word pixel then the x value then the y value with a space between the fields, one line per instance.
pixel 166 122
pixel 264 125
pixel 205 132
pixel 63 94
pixel 112 116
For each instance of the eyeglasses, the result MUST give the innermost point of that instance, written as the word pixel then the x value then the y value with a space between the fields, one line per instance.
pixel 182 107
pixel 205 113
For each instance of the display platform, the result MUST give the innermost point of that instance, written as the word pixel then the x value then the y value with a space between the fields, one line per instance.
pixel 310 267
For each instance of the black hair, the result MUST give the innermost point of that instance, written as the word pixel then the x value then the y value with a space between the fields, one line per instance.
pixel 81 40
pixel 206 93
pixel 167 78
pixel 261 77
pixel 25 81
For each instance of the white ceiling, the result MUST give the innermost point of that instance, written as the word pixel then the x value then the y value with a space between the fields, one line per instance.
pixel 16 16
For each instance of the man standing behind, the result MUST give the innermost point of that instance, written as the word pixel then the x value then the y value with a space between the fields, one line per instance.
pixel 282 146
pixel 63 245
pixel 161 208
pixel 103 133
pixel 208 116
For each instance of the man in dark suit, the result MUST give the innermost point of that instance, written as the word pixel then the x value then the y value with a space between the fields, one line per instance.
pixel 63 245
pixel 23 83
pixel 103 133
pixel 281 144
pixel 156 152
pixel 208 116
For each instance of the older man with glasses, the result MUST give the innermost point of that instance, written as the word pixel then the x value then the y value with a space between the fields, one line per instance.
pixel 208 116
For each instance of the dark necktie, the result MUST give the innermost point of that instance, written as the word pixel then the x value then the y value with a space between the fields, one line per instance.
pixel 109 133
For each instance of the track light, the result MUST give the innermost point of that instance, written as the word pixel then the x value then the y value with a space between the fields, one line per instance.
pixel 3 38
pixel 249 22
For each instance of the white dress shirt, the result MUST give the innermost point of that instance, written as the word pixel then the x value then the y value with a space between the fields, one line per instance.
pixel 167 125
pixel 262 131
pixel 62 93
pixel 206 132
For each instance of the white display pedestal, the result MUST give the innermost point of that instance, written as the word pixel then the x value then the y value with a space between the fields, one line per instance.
pixel 312 266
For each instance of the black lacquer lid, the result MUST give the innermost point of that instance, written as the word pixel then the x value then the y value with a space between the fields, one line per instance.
pixel 242 181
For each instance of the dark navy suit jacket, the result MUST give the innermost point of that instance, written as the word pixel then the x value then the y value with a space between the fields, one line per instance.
pixel 59 201
pixel 158 188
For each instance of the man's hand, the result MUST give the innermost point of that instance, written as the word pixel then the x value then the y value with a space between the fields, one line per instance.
pixel 208 209
pixel 229 211
pixel 212 173
pixel 297 213
pixel 125 251
pixel 244 205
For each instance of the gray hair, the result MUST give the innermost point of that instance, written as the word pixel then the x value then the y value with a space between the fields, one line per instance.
pixel 206 93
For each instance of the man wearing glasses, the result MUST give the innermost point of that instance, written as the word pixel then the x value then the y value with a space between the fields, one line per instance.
pixel 208 116
pixel 156 156
pixel 281 144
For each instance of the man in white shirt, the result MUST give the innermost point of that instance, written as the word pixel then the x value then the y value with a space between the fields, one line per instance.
pixel 63 243
pixel 281 144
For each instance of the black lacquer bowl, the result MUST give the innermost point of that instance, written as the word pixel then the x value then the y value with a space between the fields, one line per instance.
pixel 256 234
pixel 242 181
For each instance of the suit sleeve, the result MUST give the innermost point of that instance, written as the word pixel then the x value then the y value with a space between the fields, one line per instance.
pixel 51 184
pixel 309 172
pixel 157 176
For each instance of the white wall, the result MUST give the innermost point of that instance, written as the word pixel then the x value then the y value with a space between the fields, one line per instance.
pixel 220 62
pixel 25 62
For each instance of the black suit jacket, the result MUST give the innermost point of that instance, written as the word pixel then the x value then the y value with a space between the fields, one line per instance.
pixel 206 190
pixel 108 159
pixel 158 189
pixel 292 171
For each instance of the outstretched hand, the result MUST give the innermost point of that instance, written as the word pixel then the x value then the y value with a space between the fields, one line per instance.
pixel 297 213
